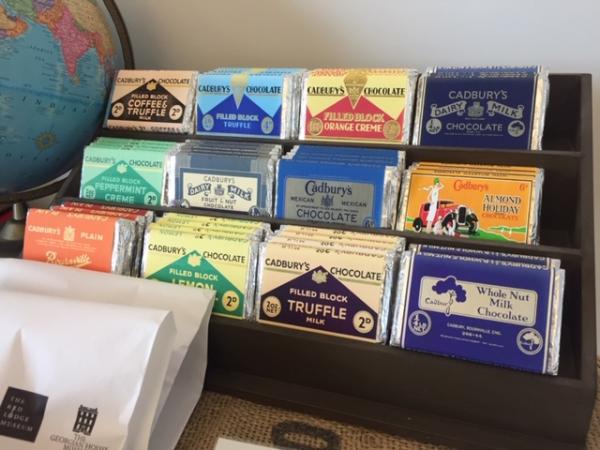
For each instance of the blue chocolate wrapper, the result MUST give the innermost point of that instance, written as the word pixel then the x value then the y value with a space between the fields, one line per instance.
pixel 495 107
pixel 351 194
pixel 489 311
pixel 498 256
pixel 359 154
pixel 232 182
pixel 248 102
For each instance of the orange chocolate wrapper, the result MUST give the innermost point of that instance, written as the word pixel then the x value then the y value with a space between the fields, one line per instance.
pixel 86 241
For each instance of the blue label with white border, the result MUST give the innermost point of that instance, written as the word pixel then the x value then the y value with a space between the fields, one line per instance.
pixel 349 194
pixel 224 181
pixel 490 312
pixel 478 110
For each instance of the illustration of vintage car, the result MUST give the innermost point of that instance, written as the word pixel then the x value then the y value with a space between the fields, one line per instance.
pixel 450 216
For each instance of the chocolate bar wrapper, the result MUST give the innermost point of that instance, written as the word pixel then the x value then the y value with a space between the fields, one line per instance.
pixel 220 181
pixel 132 177
pixel 153 100
pixel 484 254
pixel 476 204
pixel 495 107
pixel 225 222
pixel 348 154
pixel 215 231
pixel 86 241
pixel 295 283
pixel 383 240
pixel 358 105
pixel 343 246
pixel 225 264
pixel 247 102
pixel 138 220
pixel 124 248
pixel 485 310
pixel 349 194
pixel 393 181
pixel 242 148
pixel 147 214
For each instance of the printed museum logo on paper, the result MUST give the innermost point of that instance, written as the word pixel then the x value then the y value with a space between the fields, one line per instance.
pixel 85 420
pixel 21 414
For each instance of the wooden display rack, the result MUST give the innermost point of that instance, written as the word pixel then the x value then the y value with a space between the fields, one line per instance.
pixel 428 397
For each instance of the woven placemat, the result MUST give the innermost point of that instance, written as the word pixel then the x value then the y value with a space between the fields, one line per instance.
pixel 218 415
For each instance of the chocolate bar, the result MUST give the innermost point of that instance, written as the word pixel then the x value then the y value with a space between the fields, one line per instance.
pixel 486 310
pixel 485 107
pixel 153 100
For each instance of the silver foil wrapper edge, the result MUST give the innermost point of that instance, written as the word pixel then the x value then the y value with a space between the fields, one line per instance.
pixel 391 264
pixel 251 278
pixel 403 200
pixel 303 101
pixel 418 122
pixel 413 76
pixel 400 299
pixel 535 209
pixel 556 310
pixel 260 270
pixel 542 92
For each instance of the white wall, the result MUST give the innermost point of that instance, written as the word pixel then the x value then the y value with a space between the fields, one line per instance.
pixel 203 34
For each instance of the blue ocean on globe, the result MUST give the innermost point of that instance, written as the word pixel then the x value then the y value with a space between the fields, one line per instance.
pixel 57 59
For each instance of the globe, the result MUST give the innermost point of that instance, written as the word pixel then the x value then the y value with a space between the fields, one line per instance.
pixel 57 60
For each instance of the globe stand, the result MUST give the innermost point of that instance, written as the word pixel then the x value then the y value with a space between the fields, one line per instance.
pixel 12 232
pixel 14 229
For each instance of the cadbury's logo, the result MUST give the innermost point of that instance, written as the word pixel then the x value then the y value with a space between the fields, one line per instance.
pixel 313 187
pixel 454 290
pixel 462 185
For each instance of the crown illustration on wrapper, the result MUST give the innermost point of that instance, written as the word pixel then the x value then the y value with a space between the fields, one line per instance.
pixel 69 233
pixel 219 189
pixel 327 201
pixel 355 82
pixel 475 110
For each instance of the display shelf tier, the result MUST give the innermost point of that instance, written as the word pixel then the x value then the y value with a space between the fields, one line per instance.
pixel 414 153
pixel 561 134
pixel 565 253
pixel 395 390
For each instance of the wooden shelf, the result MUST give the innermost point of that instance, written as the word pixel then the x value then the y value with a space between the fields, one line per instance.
pixel 430 397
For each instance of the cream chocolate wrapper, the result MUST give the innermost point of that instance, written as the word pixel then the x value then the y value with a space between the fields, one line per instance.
pixel 356 247
pixel 337 234
pixel 190 309
pixel 135 93
pixel 279 282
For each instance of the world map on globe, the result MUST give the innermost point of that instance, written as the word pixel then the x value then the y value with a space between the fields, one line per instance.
pixel 57 59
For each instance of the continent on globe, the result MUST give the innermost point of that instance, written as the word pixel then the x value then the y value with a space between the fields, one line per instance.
pixel 57 62
pixel 78 26
pixel 11 27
